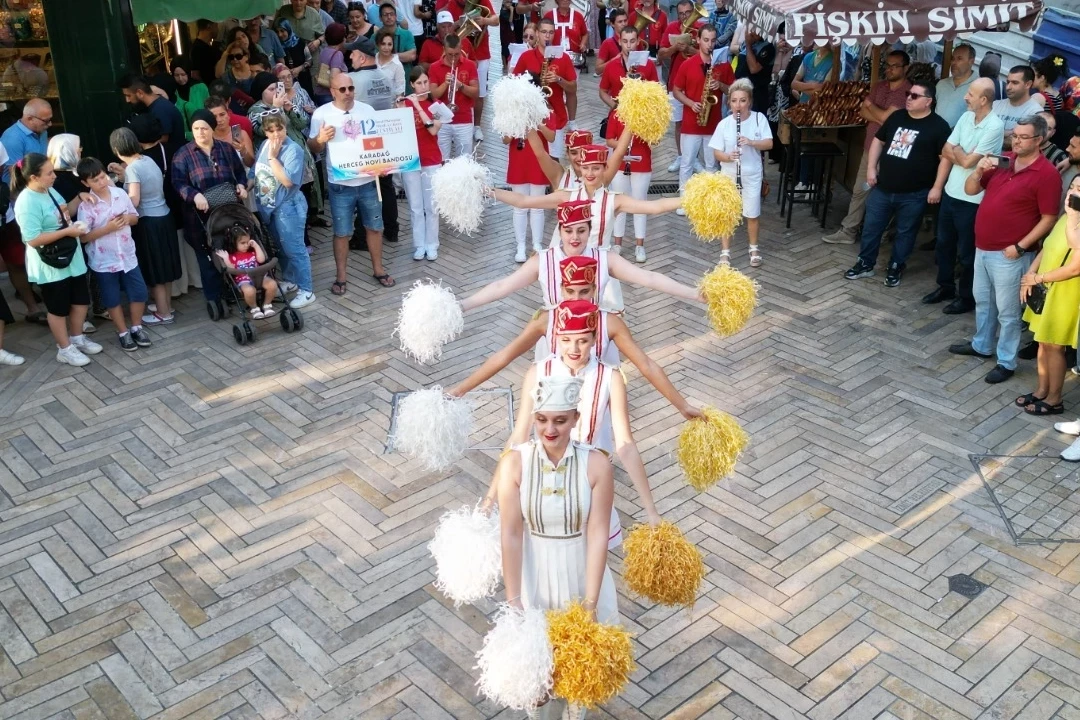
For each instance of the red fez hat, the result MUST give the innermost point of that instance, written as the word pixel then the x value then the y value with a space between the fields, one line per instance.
pixel 574 212
pixel 578 138
pixel 575 316
pixel 593 155
pixel 578 271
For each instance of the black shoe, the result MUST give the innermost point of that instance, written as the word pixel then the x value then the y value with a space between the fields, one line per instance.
pixel 1070 357
pixel 959 306
pixel 940 295
pixel 358 243
pixel 966 349
pixel 929 245
pixel 391 238
pixel 859 270
pixel 140 337
pixel 999 374
pixel 1029 351
pixel 892 277
pixel 127 343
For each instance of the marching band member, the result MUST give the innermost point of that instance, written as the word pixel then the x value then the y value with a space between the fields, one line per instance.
pixel 524 175
pixel 672 57
pixel 425 221
pixel 482 49
pixel 654 31
pixel 609 49
pixel 573 35
pixel 454 81
pixel 690 89
pixel 560 78
pixel 432 49
pixel 639 155
pixel 569 177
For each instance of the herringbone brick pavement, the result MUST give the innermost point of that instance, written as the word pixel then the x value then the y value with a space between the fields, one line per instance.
pixel 201 530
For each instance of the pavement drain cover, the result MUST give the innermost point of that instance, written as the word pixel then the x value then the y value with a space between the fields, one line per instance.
pixel 1037 496
pixel 493 414
pixel 965 585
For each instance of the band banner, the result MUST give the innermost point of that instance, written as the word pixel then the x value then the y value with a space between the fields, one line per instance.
pixel 378 144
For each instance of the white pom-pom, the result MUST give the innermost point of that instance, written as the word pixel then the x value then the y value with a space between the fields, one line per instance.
pixel 430 317
pixel 516 661
pixel 433 427
pixel 519 106
pixel 458 189
pixel 468 555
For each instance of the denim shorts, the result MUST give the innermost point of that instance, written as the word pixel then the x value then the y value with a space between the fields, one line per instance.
pixel 346 200
pixel 110 283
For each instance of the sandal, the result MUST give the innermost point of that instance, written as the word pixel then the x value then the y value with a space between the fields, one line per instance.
pixel 257 314
pixel 268 310
pixel 755 256
pixel 338 288
pixel 1040 407
pixel 725 257
pixel 385 280
pixel 1029 399
pixel 38 318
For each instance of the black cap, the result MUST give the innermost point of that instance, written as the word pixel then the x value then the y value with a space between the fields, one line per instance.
pixel 364 45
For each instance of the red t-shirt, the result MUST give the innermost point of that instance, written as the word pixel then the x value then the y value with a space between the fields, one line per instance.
pixel 675 28
pixel 611 83
pixel 609 50
pixel 576 30
pixel 654 32
pixel 244 124
pixel 433 48
pixel 428 144
pixel 691 80
pixel 522 167
pixel 531 61
pixel 466 72
pixel 483 48
pixel 1015 202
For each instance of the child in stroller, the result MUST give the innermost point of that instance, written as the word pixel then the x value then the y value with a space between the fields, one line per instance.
pixel 241 252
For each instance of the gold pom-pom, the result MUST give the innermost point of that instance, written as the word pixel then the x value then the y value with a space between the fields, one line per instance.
pixel 713 205
pixel 662 565
pixel 730 298
pixel 593 661
pixel 644 107
pixel 708 449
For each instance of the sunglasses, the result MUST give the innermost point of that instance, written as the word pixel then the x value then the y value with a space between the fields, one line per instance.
pixel 347 88
pixel 915 96
pixel 241 56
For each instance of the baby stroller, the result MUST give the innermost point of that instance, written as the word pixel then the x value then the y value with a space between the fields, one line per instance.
pixel 220 219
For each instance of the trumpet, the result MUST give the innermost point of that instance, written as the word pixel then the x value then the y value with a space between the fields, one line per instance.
pixel 708 98
pixel 451 90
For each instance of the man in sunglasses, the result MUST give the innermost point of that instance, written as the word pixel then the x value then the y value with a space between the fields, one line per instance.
pixel 905 171
pixel 884 99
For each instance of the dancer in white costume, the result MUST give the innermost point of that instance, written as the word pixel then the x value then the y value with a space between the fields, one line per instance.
pixel 555 499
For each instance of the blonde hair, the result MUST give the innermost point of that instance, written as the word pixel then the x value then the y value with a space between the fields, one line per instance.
pixel 742 85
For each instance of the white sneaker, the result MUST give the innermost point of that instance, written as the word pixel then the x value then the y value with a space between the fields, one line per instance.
pixel 698 167
pixel 433 255
pixel 519 256
pixel 680 212
pixel 478 135
pixel 639 253
pixel 86 345
pixel 1072 453
pixel 1068 428
pixel 71 355
pixel 155 319
pixel 88 327
pixel 617 249
pixel 537 249
pixel 303 298
pixel 674 167
pixel 151 307
pixel 418 254
pixel 10 358
pixel 288 287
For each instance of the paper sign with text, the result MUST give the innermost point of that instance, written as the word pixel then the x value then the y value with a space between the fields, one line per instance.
pixel 381 143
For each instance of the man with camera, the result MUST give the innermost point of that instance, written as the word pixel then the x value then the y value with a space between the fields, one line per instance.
pixel 978 133
pixel 1020 206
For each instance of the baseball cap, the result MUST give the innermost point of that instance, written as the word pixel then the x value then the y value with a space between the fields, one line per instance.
pixel 444 16
pixel 364 45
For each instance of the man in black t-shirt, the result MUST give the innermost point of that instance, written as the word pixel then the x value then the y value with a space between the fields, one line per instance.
pixel 139 94
pixel 204 55
pixel 755 64
pixel 905 171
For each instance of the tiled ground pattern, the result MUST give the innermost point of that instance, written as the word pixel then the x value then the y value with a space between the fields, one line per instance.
pixel 202 530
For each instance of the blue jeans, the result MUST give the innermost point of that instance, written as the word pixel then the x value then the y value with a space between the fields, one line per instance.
pixel 997 305
pixel 881 206
pixel 956 240
pixel 195 237
pixel 110 283
pixel 287 225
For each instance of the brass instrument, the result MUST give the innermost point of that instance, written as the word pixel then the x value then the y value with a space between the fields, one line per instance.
pixel 467 25
pixel 642 20
pixel 708 98
pixel 451 89
pixel 697 13
pixel 545 89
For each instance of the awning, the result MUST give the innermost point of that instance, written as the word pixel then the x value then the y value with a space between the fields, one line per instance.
pixel 862 21
pixel 160 11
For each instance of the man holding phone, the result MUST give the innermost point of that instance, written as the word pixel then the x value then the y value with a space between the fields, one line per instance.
pixel 1019 208
pixel 978 134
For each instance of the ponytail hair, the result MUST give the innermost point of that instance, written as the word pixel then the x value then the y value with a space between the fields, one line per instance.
pixel 30 166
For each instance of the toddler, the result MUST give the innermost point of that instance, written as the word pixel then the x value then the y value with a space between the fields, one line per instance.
pixel 243 253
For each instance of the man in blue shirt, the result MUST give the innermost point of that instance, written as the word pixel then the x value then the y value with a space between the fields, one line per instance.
pixel 28 134
pixel 267 39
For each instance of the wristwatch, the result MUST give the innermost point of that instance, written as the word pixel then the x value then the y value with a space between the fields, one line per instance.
pixel 429 124
pixel 1019 249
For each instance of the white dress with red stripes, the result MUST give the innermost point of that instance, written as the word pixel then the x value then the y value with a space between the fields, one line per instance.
pixel 569 181
pixel 594 424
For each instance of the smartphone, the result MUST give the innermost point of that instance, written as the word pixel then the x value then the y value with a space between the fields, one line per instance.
pixel 281 88
pixel 1003 161
pixel 235 133
pixel 1074 202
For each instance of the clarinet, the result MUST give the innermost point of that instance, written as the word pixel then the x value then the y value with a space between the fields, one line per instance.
pixel 738 158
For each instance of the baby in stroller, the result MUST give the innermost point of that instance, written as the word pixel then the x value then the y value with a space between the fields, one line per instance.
pixel 241 252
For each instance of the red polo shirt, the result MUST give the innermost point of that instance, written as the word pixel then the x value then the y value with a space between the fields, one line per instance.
pixel 654 32
pixel 432 50
pixel 609 49
pixel 483 48
pixel 576 30
pixel 691 80
pixel 1015 202
pixel 531 61
pixel 677 59
pixel 885 97
pixel 611 83
pixel 466 72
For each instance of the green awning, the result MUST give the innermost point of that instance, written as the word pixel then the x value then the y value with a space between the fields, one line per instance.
pixel 160 11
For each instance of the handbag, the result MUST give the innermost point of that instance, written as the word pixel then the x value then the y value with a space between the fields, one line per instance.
pixel 1036 298
pixel 58 254
pixel 221 194
pixel 323 78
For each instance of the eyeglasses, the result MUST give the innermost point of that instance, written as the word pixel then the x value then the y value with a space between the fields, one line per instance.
pixel 916 96
pixel 234 58
pixel 47 121
pixel 1024 137
pixel 347 88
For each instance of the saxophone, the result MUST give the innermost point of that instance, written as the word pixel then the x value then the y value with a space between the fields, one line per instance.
pixel 545 89
pixel 708 98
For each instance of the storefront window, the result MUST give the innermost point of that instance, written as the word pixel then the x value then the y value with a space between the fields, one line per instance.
pixel 26 63
pixel 156 47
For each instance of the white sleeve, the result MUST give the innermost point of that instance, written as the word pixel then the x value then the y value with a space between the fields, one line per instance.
pixel 718 140
pixel 316 124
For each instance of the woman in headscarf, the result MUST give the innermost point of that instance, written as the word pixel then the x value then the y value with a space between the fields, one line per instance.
pixel 297 55
pixel 202 164
pixel 190 93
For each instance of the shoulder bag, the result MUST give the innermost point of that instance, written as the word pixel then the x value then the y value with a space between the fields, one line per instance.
pixel 58 254
pixel 1036 298
pixel 323 78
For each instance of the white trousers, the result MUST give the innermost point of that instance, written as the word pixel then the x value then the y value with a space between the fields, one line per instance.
pixel 524 219
pixel 557 148
pixel 482 75
pixel 692 147
pixel 637 187
pixel 457 136
pixel 425 221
